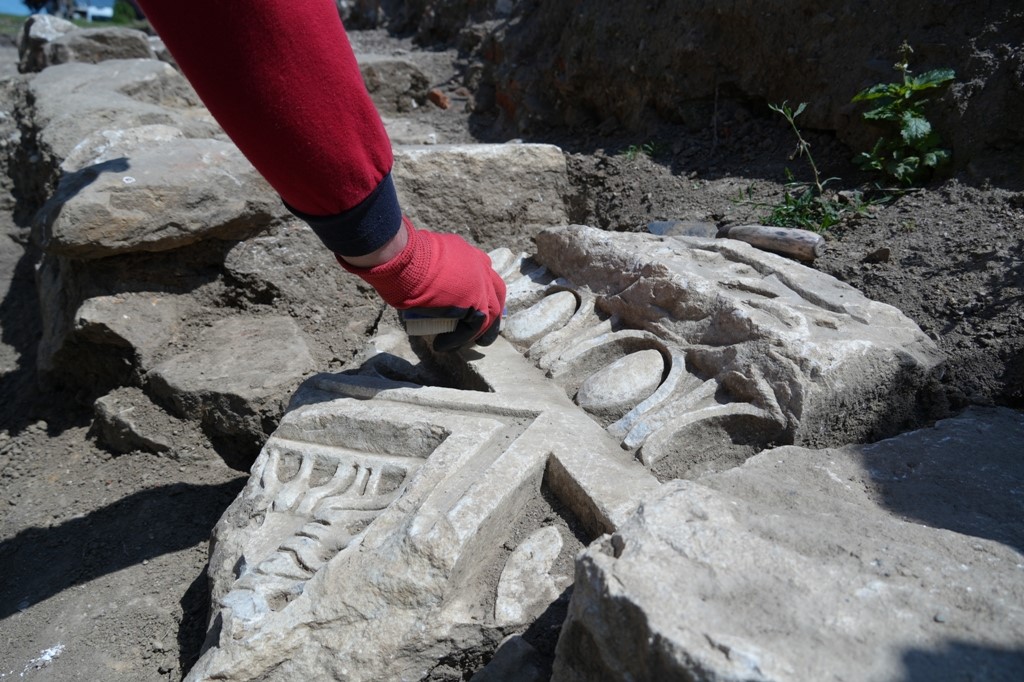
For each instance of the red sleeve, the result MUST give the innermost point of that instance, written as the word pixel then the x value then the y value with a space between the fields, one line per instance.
pixel 281 79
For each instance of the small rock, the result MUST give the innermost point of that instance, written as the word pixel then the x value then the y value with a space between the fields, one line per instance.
pixel 439 98
pixel 878 256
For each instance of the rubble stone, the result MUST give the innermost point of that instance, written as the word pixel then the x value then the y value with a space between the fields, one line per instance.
pixel 395 85
pixel 126 420
pixel 235 378
pixel 38 31
pixel 495 194
pixel 88 45
pixel 158 199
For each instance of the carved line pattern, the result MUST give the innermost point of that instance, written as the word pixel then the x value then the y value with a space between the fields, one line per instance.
pixel 570 352
pixel 338 492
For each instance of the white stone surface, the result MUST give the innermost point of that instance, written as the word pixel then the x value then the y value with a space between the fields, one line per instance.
pixel 758 349
pixel 877 562
pixel 546 316
pixel 622 385
pixel 526 586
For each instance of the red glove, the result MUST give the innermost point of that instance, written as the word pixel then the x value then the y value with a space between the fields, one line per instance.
pixel 441 275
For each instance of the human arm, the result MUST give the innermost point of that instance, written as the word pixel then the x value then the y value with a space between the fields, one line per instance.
pixel 281 79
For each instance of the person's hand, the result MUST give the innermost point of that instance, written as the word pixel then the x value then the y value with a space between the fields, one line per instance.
pixel 441 275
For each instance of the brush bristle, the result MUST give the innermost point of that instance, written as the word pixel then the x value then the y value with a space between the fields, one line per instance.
pixel 429 326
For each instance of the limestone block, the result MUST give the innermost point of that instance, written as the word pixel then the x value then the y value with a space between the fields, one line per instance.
pixel 126 420
pixel 157 199
pixel 236 378
pixel 376 510
pixel 697 353
pixel 36 33
pixel 898 560
pixel 144 322
pixel 88 45
pixel 486 193
pixel 395 84
pixel 72 101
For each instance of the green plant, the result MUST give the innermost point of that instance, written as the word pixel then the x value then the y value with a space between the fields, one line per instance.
pixel 635 151
pixel 808 205
pixel 911 151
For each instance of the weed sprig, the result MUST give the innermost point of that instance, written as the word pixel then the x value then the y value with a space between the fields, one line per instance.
pixel 808 205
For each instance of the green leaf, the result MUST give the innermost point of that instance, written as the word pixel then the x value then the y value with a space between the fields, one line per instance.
pixel 875 91
pixel 932 79
pixel 800 109
pixel 936 158
pixel 886 112
pixel 914 129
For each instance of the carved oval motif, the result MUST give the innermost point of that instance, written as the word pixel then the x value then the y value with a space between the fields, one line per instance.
pixel 543 317
pixel 622 385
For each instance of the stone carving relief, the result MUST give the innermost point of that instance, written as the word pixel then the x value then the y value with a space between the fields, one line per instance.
pixel 384 525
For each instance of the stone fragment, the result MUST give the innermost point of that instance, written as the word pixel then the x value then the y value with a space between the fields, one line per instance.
pixel 526 586
pixel 236 378
pixel 622 385
pixel 756 349
pixel 88 45
pixel 813 565
pixel 375 509
pixel 142 322
pixel 158 199
pixel 38 31
pixel 126 420
pixel 395 85
pixel 495 194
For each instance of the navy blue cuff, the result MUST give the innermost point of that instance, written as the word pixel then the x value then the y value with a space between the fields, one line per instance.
pixel 360 230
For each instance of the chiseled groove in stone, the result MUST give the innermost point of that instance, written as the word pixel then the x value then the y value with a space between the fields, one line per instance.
pixel 528 287
pixel 366 387
pixel 690 399
pixel 581 360
pixel 658 445
pixel 503 260
pixel 676 375
pixel 547 315
pixel 353 488
pixel 569 354
pixel 583 324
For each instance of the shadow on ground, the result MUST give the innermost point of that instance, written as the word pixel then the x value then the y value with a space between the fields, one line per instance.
pixel 963 661
pixel 42 562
